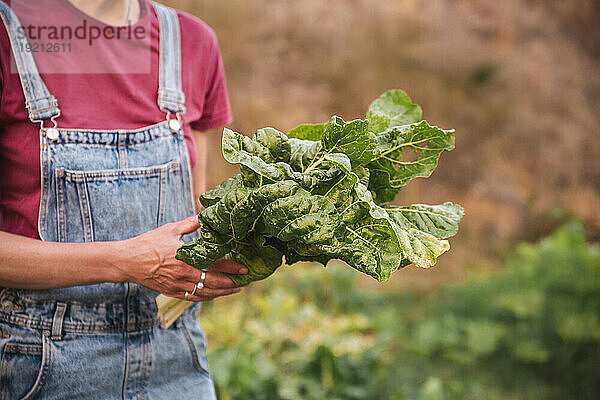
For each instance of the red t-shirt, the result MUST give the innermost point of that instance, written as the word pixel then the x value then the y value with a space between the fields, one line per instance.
pixel 101 100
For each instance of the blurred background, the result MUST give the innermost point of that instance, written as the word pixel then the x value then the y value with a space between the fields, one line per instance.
pixel 513 310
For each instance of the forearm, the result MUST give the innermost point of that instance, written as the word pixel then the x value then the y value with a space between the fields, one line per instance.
pixel 27 263
pixel 199 173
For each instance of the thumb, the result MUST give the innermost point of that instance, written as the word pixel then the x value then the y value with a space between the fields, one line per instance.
pixel 187 225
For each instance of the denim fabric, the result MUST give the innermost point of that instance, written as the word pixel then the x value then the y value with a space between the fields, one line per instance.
pixel 170 95
pixel 103 341
pixel 40 103
pixel 99 186
pixel 83 359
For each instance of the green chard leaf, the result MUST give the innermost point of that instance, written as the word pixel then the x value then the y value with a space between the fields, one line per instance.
pixel 406 152
pixel 440 221
pixel 316 193
pixel 393 108
pixel 307 132
pixel 215 194
pixel 260 264
pixel 203 252
pixel 267 144
pixel 351 138
pixel 303 152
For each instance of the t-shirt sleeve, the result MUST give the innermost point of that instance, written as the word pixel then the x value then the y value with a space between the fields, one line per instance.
pixel 216 111
pixel 4 56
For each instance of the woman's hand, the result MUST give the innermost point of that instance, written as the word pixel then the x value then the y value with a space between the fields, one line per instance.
pixel 151 262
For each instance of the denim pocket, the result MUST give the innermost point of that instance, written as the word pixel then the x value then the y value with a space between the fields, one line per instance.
pixel 117 204
pixel 23 369
pixel 197 344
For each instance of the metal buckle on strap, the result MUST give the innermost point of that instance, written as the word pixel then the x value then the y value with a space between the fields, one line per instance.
pixel 51 133
pixel 174 124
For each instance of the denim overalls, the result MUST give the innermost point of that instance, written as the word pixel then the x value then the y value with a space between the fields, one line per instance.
pixel 103 341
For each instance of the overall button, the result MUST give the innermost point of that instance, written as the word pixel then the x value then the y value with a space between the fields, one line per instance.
pixel 174 125
pixel 52 133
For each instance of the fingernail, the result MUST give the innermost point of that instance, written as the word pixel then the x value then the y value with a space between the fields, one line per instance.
pixel 243 270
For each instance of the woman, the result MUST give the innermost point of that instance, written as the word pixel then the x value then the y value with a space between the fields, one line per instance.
pixel 96 195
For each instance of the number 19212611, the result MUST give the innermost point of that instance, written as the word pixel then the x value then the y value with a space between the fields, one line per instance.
pixel 47 47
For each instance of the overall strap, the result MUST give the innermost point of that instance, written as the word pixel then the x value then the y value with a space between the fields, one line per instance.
pixel 170 94
pixel 38 100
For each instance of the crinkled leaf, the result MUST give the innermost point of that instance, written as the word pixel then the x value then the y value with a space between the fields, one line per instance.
pixel 256 171
pixel 203 252
pixel 260 264
pixel 363 175
pixel 440 221
pixel 228 223
pixel 233 215
pixel 421 248
pixel 217 193
pixel 301 216
pixel 340 160
pixel 307 132
pixel 371 247
pixel 303 152
pixel 351 138
pixel 393 108
pixel 406 152
pixel 267 144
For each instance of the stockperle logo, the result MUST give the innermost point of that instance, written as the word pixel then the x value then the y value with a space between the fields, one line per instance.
pixel 64 40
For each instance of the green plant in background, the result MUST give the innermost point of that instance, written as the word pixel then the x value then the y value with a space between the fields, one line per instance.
pixel 538 320
pixel 529 331
pixel 317 194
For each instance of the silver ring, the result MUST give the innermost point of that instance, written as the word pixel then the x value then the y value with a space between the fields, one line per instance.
pixel 193 291
pixel 187 295
pixel 200 285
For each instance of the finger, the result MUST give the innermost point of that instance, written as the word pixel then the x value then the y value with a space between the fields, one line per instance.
pixel 206 294
pixel 213 280
pixel 216 280
pixel 228 266
pixel 187 225
pixel 209 294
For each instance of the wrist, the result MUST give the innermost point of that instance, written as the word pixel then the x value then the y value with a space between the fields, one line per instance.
pixel 115 258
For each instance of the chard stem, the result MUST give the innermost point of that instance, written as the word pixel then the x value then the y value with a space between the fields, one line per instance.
pixel 314 165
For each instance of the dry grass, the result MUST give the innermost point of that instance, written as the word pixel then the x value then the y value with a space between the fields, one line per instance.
pixel 518 79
